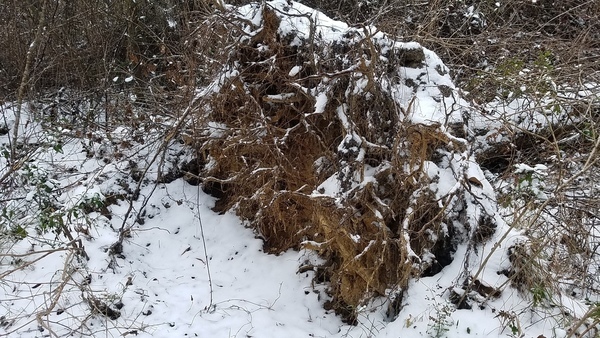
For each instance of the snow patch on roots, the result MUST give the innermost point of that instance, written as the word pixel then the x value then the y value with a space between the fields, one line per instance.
pixel 347 142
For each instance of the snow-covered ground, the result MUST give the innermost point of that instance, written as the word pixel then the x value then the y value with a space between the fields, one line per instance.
pixel 187 271
pixel 182 270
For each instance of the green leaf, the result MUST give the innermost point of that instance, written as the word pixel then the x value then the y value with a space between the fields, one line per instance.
pixel 19 232
pixel 58 148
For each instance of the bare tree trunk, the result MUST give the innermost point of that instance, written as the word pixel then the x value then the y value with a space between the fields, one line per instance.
pixel 25 79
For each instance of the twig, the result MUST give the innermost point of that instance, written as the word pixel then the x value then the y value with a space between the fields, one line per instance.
pixel 47 252
pixel 25 80
pixel 206 260
pixel 57 293
pixel 167 139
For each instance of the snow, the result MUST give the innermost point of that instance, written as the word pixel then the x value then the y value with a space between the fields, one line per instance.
pixel 294 71
pixel 321 103
pixel 538 168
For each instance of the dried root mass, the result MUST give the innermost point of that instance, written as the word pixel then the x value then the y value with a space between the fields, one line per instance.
pixel 337 139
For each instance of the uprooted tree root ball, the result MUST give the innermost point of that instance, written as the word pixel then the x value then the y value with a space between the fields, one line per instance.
pixel 326 137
